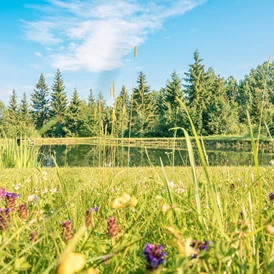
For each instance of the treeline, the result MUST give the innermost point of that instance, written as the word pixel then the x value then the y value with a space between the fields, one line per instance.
pixel 216 105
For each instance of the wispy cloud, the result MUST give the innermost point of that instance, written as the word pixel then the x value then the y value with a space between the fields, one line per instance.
pixel 98 35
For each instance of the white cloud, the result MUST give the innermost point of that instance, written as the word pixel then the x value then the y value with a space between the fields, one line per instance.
pixel 98 35
pixel 38 54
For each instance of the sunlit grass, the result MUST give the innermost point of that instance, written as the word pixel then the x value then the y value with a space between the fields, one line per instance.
pixel 78 189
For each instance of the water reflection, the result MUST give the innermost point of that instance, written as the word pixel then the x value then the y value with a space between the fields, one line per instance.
pixel 99 156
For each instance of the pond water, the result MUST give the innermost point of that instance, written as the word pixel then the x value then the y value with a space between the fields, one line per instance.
pixel 96 156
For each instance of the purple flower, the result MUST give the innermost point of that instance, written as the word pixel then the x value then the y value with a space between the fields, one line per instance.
pixel 2 193
pixel 154 255
pixel 199 246
pixel 4 218
pixel 12 195
pixel 93 209
pixel 10 200
pixel 271 196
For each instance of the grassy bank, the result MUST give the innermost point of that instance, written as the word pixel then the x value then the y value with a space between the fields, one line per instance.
pixel 168 212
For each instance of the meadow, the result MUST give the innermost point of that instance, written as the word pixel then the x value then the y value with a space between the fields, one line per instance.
pixel 136 220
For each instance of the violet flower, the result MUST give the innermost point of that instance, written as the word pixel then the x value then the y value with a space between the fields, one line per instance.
pixel 199 246
pixel 154 256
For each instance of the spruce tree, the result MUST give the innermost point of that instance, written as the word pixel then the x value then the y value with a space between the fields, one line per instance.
pixel 142 111
pixel 196 93
pixel 74 115
pixel 12 110
pixel 40 103
pixel 24 110
pixel 58 96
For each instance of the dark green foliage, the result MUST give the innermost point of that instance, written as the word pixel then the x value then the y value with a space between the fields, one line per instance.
pixel 40 103
pixel 58 96
pixel 142 110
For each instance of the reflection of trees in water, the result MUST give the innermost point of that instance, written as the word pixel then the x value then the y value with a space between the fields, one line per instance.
pixel 110 156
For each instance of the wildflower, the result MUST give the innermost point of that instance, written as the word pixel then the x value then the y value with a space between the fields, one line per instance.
pixel 89 219
pixel 270 229
pixel 45 190
pixel 67 230
pixel 199 246
pixel 180 190
pixel 33 199
pixel 4 218
pixel 10 200
pixel 154 256
pixel 23 211
pixel 2 193
pixel 165 208
pixel 124 201
pixel 272 162
pixel 171 184
pixel 72 263
pixel 271 196
pixel 54 190
pixel 33 236
pixel 113 227
pixel 17 187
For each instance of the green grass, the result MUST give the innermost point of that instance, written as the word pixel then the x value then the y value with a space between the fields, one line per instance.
pixel 233 248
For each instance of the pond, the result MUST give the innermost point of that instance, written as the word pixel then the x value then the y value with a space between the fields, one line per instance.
pixel 99 156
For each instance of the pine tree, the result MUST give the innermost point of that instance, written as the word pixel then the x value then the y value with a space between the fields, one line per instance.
pixel 196 93
pixel 58 97
pixel 40 103
pixel 24 110
pixel 142 111
pixel 74 115
pixel 12 110
pixel 121 113
pixel 174 89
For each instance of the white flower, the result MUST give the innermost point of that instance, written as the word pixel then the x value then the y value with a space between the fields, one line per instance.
pixel 16 187
pixel 33 199
pixel 45 190
pixel 54 190
pixel 171 184
pixel 272 162
pixel 180 190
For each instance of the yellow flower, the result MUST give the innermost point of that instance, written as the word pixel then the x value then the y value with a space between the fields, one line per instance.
pixel 124 201
pixel 125 198
pixel 72 263
pixel 270 229
pixel 116 204
pixel 184 247
pixel 133 201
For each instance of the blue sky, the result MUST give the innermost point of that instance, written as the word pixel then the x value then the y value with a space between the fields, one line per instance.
pixel 92 41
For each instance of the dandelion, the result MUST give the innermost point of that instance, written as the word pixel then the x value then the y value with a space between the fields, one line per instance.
pixel 10 200
pixel 67 230
pixel 4 218
pixel 23 211
pixel 154 256
pixel 113 227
